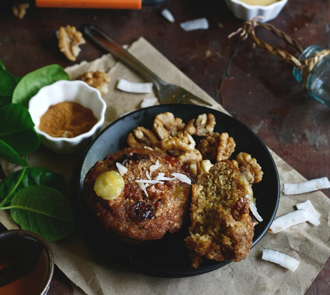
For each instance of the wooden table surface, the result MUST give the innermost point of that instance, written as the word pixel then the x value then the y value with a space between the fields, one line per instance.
pixel 255 87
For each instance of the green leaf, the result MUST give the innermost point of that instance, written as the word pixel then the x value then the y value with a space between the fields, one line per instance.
pixel 31 83
pixel 32 176
pixel 7 82
pixel 7 153
pixel 5 100
pixel 17 130
pixel 44 211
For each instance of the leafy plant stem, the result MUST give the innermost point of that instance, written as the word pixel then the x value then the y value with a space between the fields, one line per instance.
pixel 14 188
pixel 31 210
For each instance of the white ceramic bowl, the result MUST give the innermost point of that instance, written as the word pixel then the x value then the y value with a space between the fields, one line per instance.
pixel 75 91
pixel 246 12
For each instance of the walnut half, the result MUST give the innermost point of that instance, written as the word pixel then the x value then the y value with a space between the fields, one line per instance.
pixel 202 126
pixel 249 167
pixel 19 9
pixel 98 80
pixel 69 40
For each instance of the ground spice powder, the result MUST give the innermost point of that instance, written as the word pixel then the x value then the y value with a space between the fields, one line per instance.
pixel 67 119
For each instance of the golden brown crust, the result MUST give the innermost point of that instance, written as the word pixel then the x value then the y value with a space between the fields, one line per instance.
pixel 221 227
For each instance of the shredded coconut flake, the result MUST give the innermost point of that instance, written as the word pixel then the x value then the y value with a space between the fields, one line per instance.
pixel 182 177
pixel 121 168
pixel 313 214
pixel 148 102
pixel 195 24
pixel 290 219
pixel 161 176
pixel 148 181
pixel 154 167
pixel 307 186
pixel 255 212
pixel 281 259
pixel 127 86
pixel 143 187
pixel 168 15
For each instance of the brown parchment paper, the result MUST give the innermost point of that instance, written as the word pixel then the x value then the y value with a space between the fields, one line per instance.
pixel 309 244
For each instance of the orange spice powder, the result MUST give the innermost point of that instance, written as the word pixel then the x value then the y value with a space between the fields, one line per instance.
pixel 67 119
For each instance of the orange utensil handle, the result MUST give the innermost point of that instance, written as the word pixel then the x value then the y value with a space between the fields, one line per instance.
pixel 114 4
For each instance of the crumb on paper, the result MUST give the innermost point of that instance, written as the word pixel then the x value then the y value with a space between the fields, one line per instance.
pixel 19 9
pixel 69 40
pixel 97 79
pixel 220 25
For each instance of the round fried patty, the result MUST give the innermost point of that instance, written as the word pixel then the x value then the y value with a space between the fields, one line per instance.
pixel 140 212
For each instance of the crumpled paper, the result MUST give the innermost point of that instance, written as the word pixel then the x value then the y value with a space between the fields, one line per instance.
pixel 305 242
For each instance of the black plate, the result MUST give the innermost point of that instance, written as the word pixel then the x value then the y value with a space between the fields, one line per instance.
pixel 169 257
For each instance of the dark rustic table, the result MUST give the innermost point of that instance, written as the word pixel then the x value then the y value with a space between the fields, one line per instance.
pixel 255 87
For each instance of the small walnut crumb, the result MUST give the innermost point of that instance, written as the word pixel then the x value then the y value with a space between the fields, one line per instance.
pixel 206 165
pixel 98 80
pixel 249 167
pixel 67 134
pixel 69 40
pixel 226 147
pixel 19 9
pixel 194 167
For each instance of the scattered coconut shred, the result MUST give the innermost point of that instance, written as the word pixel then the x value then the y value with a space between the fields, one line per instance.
pixel 196 24
pixel 282 259
pixel 168 15
pixel 148 102
pixel 306 187
pixel 131 87
pixel 160 177
pixel 305 212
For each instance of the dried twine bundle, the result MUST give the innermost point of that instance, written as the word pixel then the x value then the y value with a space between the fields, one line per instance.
pixel 307 66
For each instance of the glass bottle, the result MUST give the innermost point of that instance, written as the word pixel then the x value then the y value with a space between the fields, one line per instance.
pixel 318 81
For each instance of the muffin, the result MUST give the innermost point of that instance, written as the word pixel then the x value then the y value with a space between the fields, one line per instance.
pixel 221 226
pixel 138 194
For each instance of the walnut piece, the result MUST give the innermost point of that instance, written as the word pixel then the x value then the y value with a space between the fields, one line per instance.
pixel 98 80
pixel 19 9
pixel 190 156
pixel 69 40
pixel 249 167
pixel 183 141
pixel 194 167
pixel 208 146
pixel 206 165
pixel 166 125
pixel 142 137
pixel 202 126
pixel 226 147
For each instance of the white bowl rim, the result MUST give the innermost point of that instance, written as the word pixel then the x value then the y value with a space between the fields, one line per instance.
pixel 83 135
pixel 264 7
